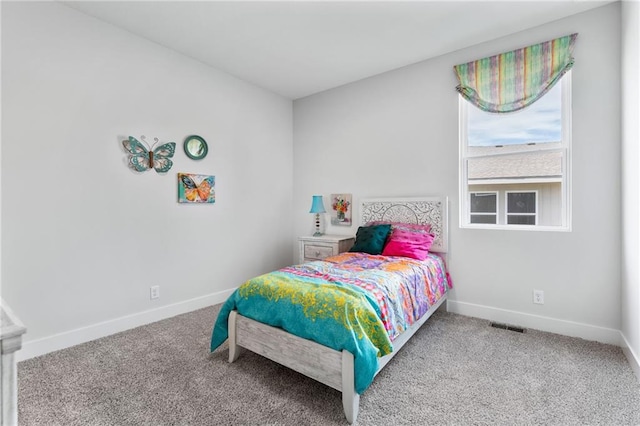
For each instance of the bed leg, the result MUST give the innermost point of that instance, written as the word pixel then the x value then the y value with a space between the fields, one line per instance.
pixel 350 398
pixel 234 349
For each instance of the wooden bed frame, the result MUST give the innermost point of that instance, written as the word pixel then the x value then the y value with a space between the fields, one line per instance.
pixel 326 365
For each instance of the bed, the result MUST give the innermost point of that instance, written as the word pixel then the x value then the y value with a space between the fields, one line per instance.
pixel 327 321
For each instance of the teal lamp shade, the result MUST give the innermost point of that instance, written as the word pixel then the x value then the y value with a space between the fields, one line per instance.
pixel 316 205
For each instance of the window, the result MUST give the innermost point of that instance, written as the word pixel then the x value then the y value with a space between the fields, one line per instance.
pixel 522 208
pixel 519 160
pixel 483 207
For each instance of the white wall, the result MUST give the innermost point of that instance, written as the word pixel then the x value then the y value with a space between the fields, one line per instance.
pixel 630 299
pixel 83 236
pixel 396 134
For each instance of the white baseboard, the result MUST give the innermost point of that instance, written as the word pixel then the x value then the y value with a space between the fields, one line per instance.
pixel 537 322
pixel 33 348
pixel 633 358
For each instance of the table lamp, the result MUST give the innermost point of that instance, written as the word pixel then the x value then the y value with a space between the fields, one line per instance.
pixel 317 207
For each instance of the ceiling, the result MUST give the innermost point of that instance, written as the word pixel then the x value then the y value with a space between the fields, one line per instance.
pixel 298 48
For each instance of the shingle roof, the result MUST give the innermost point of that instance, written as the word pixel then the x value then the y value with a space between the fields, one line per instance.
pixel 522 163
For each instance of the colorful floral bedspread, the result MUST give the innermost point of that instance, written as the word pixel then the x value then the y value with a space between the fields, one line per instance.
pixel 353 301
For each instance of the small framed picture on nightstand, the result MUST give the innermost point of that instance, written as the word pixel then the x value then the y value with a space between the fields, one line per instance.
pixel 341 209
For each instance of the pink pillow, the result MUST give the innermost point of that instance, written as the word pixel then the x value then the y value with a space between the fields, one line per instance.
pixel 408 244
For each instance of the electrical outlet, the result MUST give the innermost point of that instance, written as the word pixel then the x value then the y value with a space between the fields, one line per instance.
pixel 155 291
pixel 538 297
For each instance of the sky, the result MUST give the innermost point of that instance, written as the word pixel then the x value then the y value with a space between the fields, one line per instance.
pixel 540 122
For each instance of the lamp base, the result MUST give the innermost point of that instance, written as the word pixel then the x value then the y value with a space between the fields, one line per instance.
pixel 317 233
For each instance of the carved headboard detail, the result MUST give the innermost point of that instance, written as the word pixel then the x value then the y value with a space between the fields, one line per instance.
pixel 423 210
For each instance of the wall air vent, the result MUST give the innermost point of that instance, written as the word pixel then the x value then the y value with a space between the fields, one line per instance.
pixel 508 327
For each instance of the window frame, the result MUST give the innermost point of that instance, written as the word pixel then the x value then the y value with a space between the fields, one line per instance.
pixel 565 148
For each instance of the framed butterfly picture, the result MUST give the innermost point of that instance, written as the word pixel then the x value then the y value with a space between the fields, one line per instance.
pixel 196 188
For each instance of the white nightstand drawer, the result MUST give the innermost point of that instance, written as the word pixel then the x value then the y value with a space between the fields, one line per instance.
pixel 317 252
pixel 319 248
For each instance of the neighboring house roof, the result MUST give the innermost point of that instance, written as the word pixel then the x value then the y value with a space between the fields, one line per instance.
pixel 522 162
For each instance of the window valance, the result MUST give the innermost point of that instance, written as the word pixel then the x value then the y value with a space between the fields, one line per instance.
pixel 514 80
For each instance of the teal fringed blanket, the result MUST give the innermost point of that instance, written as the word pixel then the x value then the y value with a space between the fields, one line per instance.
pixel 353 301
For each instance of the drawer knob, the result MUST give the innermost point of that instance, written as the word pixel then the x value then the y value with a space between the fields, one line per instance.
pixel 317 253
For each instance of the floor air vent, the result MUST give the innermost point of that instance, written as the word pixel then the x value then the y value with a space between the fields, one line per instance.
pixel 507 327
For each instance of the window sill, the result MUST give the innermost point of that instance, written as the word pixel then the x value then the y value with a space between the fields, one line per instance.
pixel 517 227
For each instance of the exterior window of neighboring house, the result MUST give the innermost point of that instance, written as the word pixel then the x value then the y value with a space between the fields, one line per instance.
pixel 520 160
pixel 522 207
pixel 483 207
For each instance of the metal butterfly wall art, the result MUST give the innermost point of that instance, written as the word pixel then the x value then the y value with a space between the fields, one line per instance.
pixel 143 158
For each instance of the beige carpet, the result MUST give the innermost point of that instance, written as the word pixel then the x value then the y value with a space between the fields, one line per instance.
pixel 455 370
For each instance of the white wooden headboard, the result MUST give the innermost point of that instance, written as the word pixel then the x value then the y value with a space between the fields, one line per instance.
pixel 422 210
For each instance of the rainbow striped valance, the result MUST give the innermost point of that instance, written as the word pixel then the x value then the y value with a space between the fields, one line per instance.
pixel 514 80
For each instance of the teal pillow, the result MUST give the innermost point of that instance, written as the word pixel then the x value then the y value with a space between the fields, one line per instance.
pixel 371 239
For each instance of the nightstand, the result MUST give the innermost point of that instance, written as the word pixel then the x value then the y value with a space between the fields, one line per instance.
pixel 317 248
